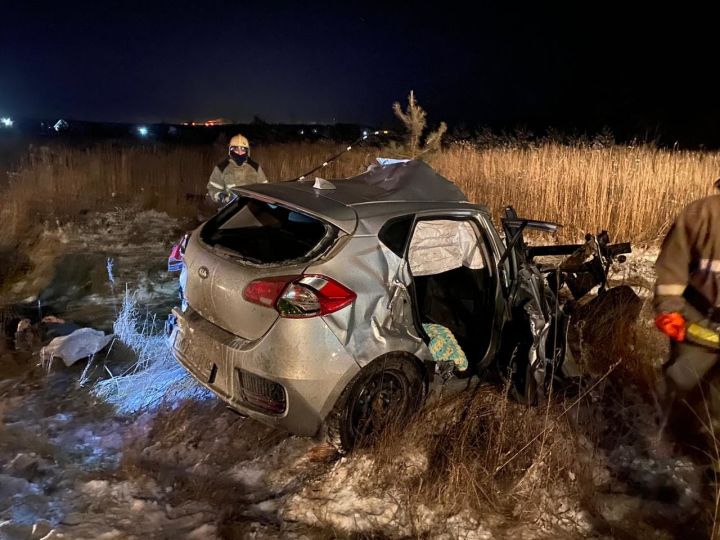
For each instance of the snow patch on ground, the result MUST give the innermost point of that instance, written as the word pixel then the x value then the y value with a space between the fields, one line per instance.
pixel 638 271
pixel 73 465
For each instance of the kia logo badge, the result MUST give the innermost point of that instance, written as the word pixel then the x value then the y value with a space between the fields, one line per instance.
pixel 203 272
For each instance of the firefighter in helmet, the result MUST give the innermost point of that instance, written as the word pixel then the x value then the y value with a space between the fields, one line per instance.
pixel 687 302
pixel 237 169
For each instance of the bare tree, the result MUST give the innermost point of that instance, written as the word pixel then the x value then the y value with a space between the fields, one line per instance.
pixel 414 119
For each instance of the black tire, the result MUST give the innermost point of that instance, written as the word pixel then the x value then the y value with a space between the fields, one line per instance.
pixel 385 392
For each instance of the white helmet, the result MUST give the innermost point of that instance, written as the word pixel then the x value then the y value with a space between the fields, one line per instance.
pixel 239 149
pixel 239 141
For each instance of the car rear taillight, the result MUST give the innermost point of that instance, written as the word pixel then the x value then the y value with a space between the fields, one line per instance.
pixel 265 292
pixel 298 297
pixel 175 260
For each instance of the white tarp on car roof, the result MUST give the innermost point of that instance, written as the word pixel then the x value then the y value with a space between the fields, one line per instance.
pixel 441 245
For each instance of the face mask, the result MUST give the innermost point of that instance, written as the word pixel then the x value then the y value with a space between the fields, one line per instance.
pixel 238 159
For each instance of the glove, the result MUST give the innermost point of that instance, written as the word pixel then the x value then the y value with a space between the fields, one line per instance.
pixel 672 325
pixel 221 197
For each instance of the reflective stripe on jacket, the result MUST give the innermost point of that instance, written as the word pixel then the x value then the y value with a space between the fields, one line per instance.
pixel 690 259
pixel 227 175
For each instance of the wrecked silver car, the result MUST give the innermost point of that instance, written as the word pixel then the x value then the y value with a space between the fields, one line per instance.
pixel 318 306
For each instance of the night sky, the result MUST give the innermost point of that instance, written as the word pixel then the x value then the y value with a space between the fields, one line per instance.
pixel 576 65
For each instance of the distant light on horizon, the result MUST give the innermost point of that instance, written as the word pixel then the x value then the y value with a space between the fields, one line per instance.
pixel 7 122
pixel 143 131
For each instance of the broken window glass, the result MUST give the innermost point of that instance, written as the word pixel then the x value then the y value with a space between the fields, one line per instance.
pixel 266 233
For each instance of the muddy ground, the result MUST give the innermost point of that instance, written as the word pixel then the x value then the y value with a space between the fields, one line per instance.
pixel 72 466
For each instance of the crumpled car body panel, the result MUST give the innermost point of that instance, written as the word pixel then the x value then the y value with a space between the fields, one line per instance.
pixel 292 372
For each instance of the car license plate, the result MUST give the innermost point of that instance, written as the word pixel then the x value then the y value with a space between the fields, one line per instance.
pixel 196 357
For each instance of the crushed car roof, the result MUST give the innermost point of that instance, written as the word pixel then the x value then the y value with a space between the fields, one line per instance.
pixel 341 201
pixel 398 182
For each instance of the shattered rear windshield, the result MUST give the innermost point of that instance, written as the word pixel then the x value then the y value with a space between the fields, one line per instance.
pixel 266 233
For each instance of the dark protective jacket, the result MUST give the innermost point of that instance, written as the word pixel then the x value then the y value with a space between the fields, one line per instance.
pixel 227 175
pixel 688 267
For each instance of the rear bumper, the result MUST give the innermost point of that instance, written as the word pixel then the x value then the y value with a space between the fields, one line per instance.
pixel 290 378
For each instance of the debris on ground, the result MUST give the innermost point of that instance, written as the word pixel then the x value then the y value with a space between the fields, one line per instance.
pixel 26 336
pixel 109 459
pixel 81 344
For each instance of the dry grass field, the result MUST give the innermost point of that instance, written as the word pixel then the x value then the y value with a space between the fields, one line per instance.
pixel 632 191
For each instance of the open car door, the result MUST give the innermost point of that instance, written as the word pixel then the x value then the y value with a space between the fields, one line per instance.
pixel 537 345
pixel 531 348
pixel 514 227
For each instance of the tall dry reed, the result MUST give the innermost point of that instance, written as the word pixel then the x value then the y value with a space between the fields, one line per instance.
pixel 633 192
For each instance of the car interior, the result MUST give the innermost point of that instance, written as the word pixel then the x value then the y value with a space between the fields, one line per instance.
pixel 265 233
pixel 454 283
